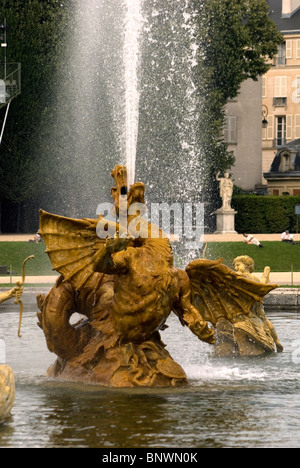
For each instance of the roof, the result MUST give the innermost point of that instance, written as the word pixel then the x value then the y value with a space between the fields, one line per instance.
pixel 292 148
pixel 285 25
pixel 295 144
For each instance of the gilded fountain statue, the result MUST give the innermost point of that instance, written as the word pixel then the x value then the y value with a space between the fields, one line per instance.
pixel 126 286
pixel 7 379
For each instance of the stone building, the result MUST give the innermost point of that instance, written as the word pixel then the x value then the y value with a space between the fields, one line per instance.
pixel 243 135
pixel 281 98
pixel 284 175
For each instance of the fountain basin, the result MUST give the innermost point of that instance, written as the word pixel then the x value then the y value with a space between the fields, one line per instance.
pixel 283 299
pixel 228 402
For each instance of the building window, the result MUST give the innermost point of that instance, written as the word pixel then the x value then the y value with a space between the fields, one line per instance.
pixel 281 131
pixel 280 102
pixel 280 90
pixel 270 129
pixel 297 126
pixel 298 87
pixel 230 130
pixel 298 49
pixel 281 59
pixel 289 127
pixel 285 165
pixel 289 49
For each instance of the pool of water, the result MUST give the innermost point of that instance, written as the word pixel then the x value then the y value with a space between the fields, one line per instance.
pixel 228 403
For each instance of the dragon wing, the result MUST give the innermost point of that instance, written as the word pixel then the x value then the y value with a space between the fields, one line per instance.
pixel 218 291
pixel 72 246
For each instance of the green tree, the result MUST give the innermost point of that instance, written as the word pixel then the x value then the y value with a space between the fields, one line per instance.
pixel 34 31
pixel 196 54
pixel 180 144
pixel 236 41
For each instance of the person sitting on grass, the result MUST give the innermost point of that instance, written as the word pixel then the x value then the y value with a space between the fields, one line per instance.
pixel 36 238
pixel 287 237
pixel 249 239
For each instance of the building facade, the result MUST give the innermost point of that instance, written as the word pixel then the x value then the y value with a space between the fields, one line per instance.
pixel 281 91
pixel 284 175
pixel 243 135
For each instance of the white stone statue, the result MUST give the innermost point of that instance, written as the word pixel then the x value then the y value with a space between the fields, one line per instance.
pixel 226 190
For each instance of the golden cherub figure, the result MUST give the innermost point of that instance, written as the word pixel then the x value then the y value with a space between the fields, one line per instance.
pixel 244 265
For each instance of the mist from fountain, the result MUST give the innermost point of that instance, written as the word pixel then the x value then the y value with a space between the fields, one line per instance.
pixel 82 141
pixel 126 94
pixel 168 152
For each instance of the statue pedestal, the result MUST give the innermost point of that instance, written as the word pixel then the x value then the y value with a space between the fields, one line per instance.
pixel 225 221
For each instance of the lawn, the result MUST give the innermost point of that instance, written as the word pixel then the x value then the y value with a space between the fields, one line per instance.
pixel 14 253
pixel 278 256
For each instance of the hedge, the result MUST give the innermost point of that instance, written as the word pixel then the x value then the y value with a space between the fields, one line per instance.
pixel 265 214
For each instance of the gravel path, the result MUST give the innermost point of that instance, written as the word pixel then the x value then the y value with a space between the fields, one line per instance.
pixel 207 237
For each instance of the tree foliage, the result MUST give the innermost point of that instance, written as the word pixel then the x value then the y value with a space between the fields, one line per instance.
pixel 195 55
pixel 265 214
pixel 233 39
pixel 236 39
pixel 33 37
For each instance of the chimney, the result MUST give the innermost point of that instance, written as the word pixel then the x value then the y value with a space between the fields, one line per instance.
pixel 289 7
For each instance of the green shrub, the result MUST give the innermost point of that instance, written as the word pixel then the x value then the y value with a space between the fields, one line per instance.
pixel 279 256
pixel 265 214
